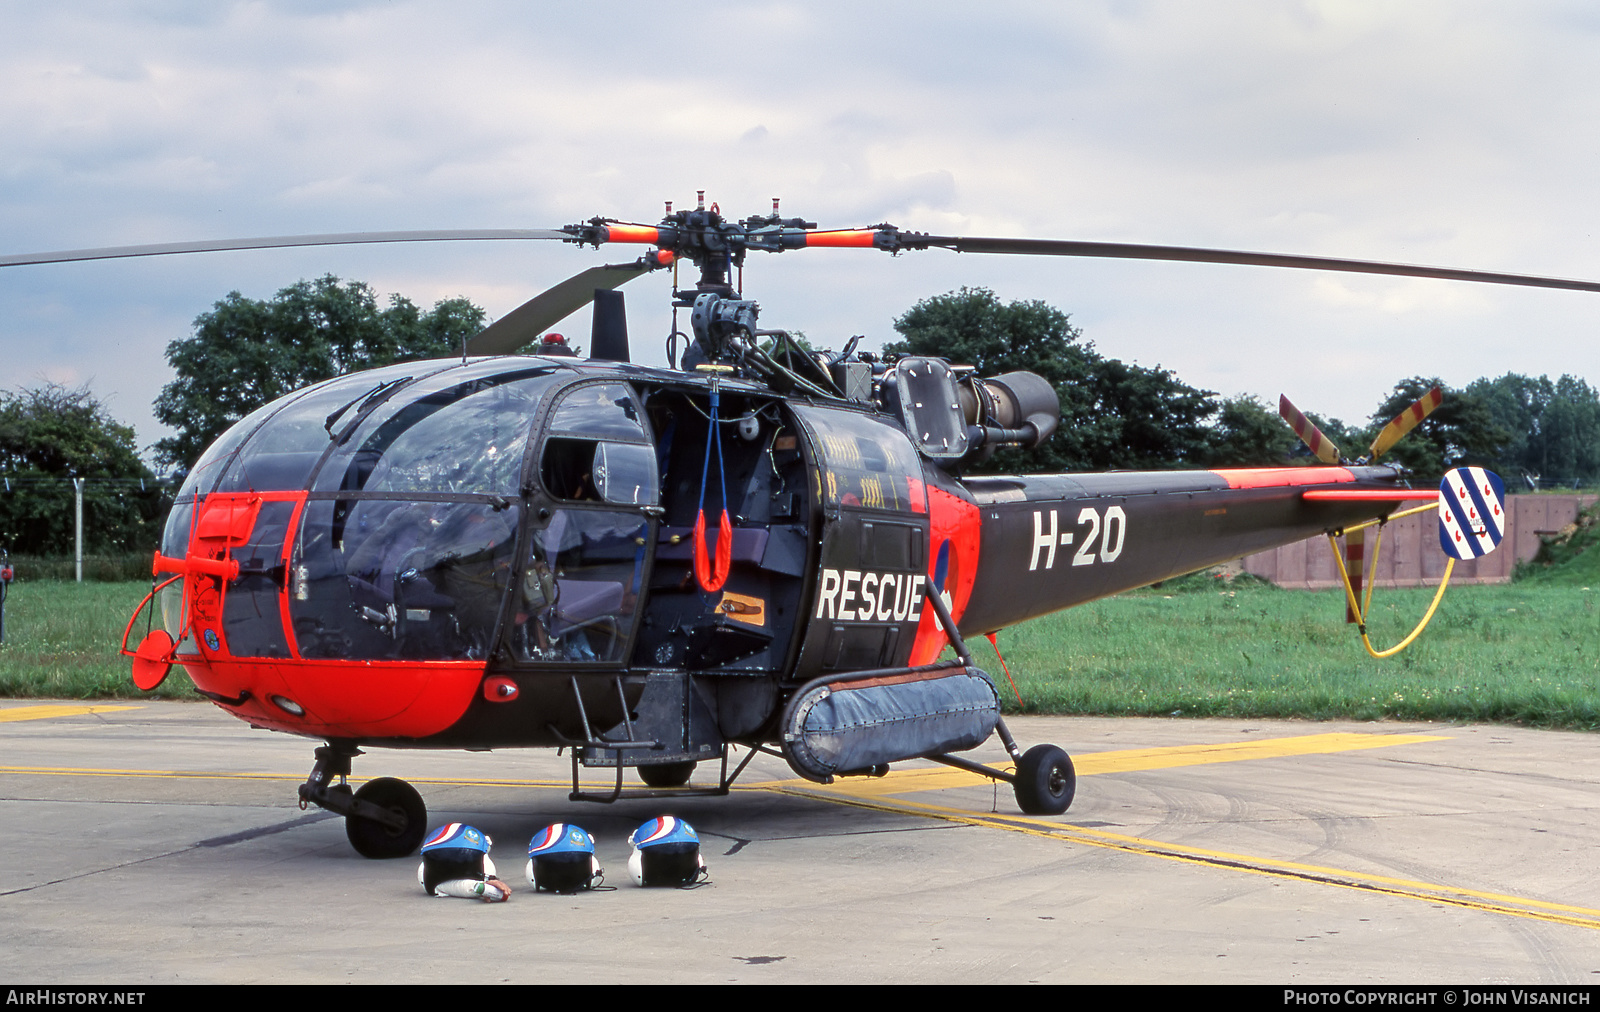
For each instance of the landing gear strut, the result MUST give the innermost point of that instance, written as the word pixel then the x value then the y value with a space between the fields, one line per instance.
pixel 1045 781
pixel 385 818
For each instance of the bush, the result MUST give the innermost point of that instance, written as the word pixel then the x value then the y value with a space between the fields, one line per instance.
pixel 120 568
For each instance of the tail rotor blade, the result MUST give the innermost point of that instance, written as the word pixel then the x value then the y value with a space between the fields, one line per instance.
pixel 523 325
pixel 1407 420
pixel 1321 446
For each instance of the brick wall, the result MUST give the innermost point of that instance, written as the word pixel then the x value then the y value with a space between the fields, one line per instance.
pixel 1409 555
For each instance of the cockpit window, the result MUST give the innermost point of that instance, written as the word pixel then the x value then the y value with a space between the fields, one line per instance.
pixel 625 474
pixel 383 579
pixel 282 453
pixel 597 449
pixel 203 476
pixel 599 411
pixel 451 434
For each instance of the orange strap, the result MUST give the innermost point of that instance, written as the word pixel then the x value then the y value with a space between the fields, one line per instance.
pixel 712 578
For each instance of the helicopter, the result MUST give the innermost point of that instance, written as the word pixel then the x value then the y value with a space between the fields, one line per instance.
pixel 760 545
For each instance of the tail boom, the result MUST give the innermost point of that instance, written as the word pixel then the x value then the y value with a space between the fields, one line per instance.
pixel 1053 541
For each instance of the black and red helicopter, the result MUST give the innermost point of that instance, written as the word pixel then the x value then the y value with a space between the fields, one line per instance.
pixel 760 545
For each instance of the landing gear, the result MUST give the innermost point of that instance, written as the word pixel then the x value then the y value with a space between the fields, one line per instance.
pixel 667 774
pixel 1045 781
pixel 385 818
pixel 396 836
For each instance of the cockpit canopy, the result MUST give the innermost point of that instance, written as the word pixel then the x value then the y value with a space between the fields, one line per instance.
pixel 383 508
pixel 419 427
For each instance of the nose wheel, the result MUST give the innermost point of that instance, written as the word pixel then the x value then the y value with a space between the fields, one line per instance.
pixel 395 836
pixel 385 818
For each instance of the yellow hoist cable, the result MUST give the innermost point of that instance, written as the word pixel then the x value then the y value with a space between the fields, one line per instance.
pixel 1360 609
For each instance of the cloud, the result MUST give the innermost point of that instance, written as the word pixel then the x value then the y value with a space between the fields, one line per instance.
pixel 1428 132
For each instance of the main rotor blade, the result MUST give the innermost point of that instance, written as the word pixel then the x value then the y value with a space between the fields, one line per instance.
pixel 1139 251
pixel 524 324
pixel 1407 420
pixel 271 242
pixel 1321 446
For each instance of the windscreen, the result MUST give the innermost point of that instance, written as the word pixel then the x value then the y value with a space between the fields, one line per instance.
pixel 463 431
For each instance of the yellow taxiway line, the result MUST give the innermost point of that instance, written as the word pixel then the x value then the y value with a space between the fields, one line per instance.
pixel 873 794
pixel 41 712
pixel 1431 892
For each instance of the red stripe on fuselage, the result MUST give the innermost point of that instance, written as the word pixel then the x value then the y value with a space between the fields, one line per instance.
pixel 1274 477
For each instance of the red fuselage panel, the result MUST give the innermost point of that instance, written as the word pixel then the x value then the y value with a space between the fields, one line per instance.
pixel 342 699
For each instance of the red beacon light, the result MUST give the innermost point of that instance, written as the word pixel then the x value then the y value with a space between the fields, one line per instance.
pixel 555 344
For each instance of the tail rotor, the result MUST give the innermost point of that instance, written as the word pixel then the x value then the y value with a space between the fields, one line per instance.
pixel 1323 448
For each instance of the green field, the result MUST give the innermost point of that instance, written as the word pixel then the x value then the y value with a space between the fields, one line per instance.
pixel 61 642
pixel 1527 652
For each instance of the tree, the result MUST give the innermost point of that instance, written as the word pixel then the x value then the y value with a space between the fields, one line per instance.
pixel 50 435
pixel 1146 418
pixel 1249 434
pixel 1113 413
pixel 1570 435
pixel 1461 432
pixel 1554 429
pixel 245 353
pixel 1517 404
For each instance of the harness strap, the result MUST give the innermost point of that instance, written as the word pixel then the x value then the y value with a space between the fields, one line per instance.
pixel 712 575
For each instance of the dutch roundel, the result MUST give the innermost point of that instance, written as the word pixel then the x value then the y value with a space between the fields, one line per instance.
pixel 1472 512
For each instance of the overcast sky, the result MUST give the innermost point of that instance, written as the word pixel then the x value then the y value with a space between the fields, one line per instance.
pixel 1447 133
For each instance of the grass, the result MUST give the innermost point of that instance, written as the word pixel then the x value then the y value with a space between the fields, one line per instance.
pixel 1523 653
pixel 61 642
pixel 1527 653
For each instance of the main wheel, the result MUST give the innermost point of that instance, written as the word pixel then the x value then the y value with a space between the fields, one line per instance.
pixel 374 839
pixel 1046 781
pixel 667 774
